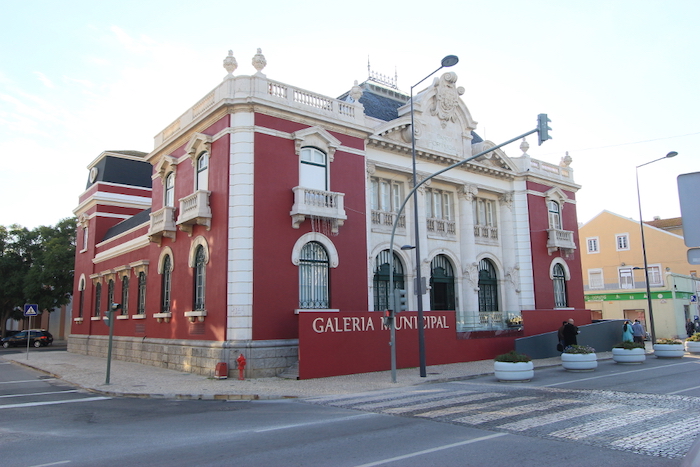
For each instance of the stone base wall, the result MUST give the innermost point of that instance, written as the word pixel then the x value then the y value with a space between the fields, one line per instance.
pixel 263 358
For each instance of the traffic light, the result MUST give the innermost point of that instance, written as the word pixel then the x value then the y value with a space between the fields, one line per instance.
pixel 400 300
pixel 543 129
pixel 388 318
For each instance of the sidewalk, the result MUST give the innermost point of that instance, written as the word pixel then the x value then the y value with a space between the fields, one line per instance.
pixel 136 380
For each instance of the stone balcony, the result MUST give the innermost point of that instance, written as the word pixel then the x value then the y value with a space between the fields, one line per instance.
pixel 162 224
pixel 318 204
pixel 194 210
pixel 560 240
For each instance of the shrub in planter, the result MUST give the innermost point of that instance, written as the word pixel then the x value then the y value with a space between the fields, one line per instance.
pixel 629 352
pixel 692 344
pixel 669 348
pixel 579 358
pixel 513 366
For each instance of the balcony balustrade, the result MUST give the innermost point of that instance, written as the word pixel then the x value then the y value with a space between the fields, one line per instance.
pixel 162 224
pixel 194 210
pixel 318 204
pixel 560 240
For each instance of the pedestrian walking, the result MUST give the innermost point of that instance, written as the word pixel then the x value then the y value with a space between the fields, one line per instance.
pixel 638 331
pixel 560 337
pixel 689 328
pixel 627 334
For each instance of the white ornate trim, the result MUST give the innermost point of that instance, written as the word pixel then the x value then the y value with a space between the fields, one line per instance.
pixel 166 251
pixel 193 248
pixel 316 137
pixel 315 237
pixel 567 273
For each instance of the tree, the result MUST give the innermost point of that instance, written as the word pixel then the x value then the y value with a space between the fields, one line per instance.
pixel 35 267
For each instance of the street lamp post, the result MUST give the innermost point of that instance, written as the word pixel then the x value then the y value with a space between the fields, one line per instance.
pixel 448 61
pixel 644 248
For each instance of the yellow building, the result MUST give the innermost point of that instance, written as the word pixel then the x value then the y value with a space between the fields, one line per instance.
pixel 613 272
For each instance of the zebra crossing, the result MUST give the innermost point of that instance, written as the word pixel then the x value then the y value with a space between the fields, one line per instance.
pixel 653 425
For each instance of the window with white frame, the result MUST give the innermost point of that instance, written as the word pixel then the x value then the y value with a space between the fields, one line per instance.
pixel 313 277
pixel 554 215
pixel 169 196
pixel 439 204
pixel 203 171
pixel 166 284
pixel 622 242
pixel 387 195
pixel 484 212
pixel 313 172
pixel 655 276
pixel 200 264
pixel 626 278
pixel 595 279
pixel 593 245
pixel 559 283
pixel 125 295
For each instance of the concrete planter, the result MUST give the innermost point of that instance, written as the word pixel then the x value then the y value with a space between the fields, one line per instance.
pixel 579 361
pixel 692 347
pixel 628 355
pixel 669 350
pixel 513 371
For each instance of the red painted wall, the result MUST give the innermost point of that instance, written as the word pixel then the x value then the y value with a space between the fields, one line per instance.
pixel 333 344
pixel 275 278
pixel 541 258
pixel 542 321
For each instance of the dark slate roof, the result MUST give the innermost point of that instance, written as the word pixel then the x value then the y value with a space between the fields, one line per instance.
pixel 124 171
pixel 128 224
pixel 383 103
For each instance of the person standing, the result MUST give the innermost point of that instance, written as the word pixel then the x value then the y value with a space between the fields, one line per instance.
pixel 570 332
pixel 627 334
pixel 689 328
pixel 638 331
pixel 560 337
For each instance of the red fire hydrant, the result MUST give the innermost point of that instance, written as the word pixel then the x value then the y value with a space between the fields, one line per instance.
pixel 241 366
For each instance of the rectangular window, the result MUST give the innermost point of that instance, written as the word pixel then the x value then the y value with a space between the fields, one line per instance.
pixel 626 278
pixel 438 204
pixel 592 244
pixel 655 277
pixel 595 279
pixel 622 242
pixel 141 298
pixel 387 195
pixel 484 212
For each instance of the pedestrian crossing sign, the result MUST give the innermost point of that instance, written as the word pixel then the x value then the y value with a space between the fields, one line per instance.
pixel 31 310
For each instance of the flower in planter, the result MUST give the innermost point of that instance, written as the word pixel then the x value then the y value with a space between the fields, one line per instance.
pixel 694 338
pixel 669 342
pixel 513 357
pixel 629 345
pixel 579 349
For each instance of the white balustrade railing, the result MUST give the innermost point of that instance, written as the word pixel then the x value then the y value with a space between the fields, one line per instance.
pixel 441 226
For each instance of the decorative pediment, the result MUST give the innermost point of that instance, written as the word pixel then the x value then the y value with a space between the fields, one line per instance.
pixel 556 194
pixel 198 144
pixel 165 165
pixel 496 158
pixel 317 137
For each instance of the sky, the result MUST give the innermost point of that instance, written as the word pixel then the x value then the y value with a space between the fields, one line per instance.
pixel 619 80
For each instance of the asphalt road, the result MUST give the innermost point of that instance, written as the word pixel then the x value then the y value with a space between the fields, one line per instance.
pixel 644 415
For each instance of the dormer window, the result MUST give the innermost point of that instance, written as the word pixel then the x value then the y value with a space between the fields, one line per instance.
pixel 203 171
pixel 313 172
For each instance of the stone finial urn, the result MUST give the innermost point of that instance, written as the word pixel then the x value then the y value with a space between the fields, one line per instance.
pixel 230 64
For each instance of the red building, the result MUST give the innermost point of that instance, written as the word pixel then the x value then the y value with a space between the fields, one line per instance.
pixel 260 225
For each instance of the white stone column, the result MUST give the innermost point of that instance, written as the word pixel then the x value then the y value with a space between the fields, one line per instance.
pixel 506 233
pixel 239 324
pixel 469 306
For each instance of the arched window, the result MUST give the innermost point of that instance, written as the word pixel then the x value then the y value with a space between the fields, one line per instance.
pixel 169 199
pixel 313 277
pixel 559 281
pixel 381 279
pixel 442 284
pixel 166 284
pixel 81 288
pixel 141 298
pixel 488 286
pixel 554 215
pixel 200 263
pixel 110 294
pixel 313 172
pixel 98 298
pixel 203 171
pixel 125 295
